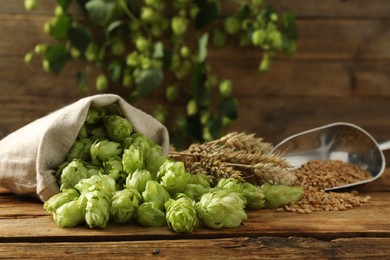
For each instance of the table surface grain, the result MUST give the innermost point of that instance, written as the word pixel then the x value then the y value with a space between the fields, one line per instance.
pixel 362 232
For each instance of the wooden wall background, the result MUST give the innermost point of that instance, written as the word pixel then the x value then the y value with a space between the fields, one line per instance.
pixel 341 71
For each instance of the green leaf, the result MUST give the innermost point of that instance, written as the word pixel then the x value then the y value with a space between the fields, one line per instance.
pixel 148 80
pixel 81 80
pixel 82 4
pixel 167 58
pixel 214 125
pixel 194 127
pixel 197 88
pixel 198 78
pixel 288 25
pixel 57 57
pixel 115 70
pixel 79 38
pixel 208 11
pixel 64 3
pixel 228 107
pixel 119 27
pixel 100 11
pixel 158 50
pixel 60 26
pixel 244 11
pixel 203 41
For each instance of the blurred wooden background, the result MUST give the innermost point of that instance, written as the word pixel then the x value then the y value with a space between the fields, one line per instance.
pixel 341 71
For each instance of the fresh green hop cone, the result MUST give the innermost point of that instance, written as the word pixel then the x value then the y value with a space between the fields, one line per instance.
pixel 221 208
pixel 198 185
pixel 59 170
pixel 93 170
pixel 138 180
pixel 80 150
pixel 143 142
pixel 179 25
pixel 201 179
pixel 95 115
pixel 254 196
pixel 149 214
pixel 132 159
pixel 280 195
pixel 98 133
pixel 102 182
pixel 232 25
pixel 154 159
pixel 56 201
pixel 68 215
pixel 72 174
pixel 102 151
pixel 114 168
pixel 101 82
pixel 118 128
pixel 114 164
pixel 30 4
pixel 181 215
pixel 97 208
pixel 83 133
pixel 195 191
pixel 155 192
pixel 173 176
pixel 125 204
pixel 231 184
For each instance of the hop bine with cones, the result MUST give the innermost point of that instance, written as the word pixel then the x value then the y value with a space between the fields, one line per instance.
pixel 237 155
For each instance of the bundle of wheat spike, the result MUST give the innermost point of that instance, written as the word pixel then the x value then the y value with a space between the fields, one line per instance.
pixel 237 155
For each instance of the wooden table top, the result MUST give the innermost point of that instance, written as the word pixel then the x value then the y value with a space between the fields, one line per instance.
pixel 363 232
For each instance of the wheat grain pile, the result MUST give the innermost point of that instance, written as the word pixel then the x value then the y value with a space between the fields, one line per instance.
pixel 315 176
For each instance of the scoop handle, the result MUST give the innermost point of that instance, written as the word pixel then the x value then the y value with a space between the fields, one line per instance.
pixel 385 145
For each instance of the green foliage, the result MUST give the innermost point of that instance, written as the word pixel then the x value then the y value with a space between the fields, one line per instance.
pixel 145 45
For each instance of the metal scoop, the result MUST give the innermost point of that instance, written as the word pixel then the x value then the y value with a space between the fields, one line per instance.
pixel 338 141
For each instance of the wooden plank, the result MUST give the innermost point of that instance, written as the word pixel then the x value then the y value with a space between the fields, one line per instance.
pixel 326 39
pixel 298 78
pixel 286 78
pixel 276 118
pixel 17 7
pixel 370 220
pixel 381 184
pixel 334 8
pixel 230 248
pixel 329 39
pixel 301 8
pixel 272 117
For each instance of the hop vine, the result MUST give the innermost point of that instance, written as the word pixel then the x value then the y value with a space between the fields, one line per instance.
pixel 140 45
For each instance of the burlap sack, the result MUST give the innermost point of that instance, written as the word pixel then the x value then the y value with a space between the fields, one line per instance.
pixel 30 155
